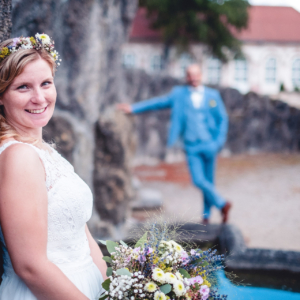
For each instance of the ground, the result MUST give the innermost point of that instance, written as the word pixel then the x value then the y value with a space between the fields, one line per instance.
pixel 264 190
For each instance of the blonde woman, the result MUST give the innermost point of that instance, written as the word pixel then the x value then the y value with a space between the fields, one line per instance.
pixel 49 252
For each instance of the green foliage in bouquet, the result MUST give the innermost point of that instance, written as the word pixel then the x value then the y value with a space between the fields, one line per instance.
pixel 159 268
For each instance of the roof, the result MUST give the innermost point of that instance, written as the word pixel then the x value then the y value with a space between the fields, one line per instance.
pixel 266 24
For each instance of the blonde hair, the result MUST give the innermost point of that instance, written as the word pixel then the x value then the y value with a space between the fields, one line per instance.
pixel 10 68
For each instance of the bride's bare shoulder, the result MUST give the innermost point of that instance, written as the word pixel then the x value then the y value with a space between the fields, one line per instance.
pixel 19 158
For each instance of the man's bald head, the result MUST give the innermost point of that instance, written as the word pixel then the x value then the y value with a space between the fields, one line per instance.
pixel 194 75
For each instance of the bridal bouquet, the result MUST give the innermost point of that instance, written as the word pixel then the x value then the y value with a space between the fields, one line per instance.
pixel 159 268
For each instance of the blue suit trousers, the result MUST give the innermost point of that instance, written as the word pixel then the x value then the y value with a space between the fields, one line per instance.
pixel 202 170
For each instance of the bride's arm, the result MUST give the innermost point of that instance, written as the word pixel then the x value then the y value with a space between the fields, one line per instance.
pixel 96 254
pixel 23 217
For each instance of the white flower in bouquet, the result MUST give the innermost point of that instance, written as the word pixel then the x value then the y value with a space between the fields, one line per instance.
pixel 179 288
pixel 158 275
pixel 176 246
pixel 179 276
pixel 159 296
pixel 170 278
pixel 150 287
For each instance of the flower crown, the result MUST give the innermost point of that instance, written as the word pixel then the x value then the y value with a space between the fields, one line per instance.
pixel 40 41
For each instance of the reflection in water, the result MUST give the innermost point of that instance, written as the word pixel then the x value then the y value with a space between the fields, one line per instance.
pixel 252 293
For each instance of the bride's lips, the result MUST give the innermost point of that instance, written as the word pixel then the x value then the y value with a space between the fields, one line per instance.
pixel 36 111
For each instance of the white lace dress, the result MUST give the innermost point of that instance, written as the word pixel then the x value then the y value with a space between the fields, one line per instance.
pixel 69 208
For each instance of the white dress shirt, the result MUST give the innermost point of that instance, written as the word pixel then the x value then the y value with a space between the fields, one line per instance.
pixel 197 94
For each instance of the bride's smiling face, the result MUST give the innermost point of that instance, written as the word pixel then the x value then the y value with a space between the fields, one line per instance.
pixel 30 99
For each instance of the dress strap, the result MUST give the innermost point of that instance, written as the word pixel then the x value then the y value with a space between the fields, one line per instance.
pixel 37 150
pixel 6 145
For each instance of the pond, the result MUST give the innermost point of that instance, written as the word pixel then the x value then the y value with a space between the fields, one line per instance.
pixel 252 293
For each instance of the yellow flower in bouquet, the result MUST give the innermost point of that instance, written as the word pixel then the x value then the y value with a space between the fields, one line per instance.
pixel 159 296
pixel 170 278
pixel 179 288
pixel 150 287
pixel 158 275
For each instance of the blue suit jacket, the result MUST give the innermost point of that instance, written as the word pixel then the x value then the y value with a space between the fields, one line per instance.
pixel 176 100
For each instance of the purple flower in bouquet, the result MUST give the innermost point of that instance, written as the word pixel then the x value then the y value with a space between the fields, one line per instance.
pixel 193 252
pixel 184 256
pixel 198 279
pixel 150 250
pixel 136 250
pixel 204 291
pixel 142 258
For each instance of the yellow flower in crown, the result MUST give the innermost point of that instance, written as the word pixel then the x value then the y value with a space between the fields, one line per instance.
pixel 44 38
pixel 150 287
pixel 33 41
pixel 4 51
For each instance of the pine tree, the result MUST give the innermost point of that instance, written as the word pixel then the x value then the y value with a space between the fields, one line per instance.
pixel 211 22
pixel 5 19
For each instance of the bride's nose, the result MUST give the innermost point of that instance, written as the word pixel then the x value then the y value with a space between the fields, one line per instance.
pixel 38 96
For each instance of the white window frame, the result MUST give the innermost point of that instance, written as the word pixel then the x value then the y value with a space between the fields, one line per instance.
pixel 129 60
pixel 241 70
pixel 296 72
pixel 271 70
pixel 156 63
pixel 214 70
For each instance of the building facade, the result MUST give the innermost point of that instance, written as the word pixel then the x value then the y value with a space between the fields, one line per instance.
pixel 271 47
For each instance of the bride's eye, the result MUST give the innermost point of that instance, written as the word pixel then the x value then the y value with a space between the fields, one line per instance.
pixel 22 87
pixel 45 83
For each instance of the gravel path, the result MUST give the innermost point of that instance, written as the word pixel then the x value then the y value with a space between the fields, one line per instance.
pixel 264 190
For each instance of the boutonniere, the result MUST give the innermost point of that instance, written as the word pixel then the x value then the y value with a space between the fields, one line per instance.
pixel 212 103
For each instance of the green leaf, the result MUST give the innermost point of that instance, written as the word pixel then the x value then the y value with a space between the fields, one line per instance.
pixel 102 242
pixel 111 246
pixel 199 260
pixel 141 241
pixel 123 272
pixel 205 263
pixel 107 259
pixel 106 284
pixel 109 271
pixel 184 273
pixel 166 288
pixel 197 286
pixel 123 243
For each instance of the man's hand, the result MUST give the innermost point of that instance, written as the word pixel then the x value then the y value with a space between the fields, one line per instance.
pixel 125 108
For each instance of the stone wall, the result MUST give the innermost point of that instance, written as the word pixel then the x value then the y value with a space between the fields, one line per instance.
pixel 88 35
pixel 256 123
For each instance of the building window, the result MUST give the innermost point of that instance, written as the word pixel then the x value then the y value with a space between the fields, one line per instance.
pixel 241 70
pixel 214 71
pixel 156 63
pixel 271 70
pixel 296 73
pixel 185 61
pixel 128 61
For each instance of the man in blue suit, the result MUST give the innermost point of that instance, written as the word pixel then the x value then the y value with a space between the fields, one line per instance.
pixel 199 118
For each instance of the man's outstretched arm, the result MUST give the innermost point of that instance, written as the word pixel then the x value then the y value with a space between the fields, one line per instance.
pixel 155 103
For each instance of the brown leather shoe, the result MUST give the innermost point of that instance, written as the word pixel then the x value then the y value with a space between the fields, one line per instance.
pixel 225 211
pixel 205 221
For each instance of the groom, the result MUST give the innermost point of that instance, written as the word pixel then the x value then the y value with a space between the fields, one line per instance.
pixel 200 119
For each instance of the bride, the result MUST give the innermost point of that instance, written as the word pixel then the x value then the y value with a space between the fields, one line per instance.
pixel 49 252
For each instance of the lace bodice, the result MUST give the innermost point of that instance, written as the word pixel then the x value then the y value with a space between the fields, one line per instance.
pixel 69 208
